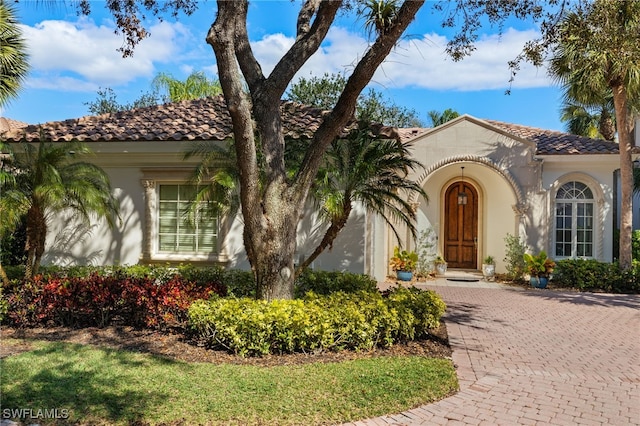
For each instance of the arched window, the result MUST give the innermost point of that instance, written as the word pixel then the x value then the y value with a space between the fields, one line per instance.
pixel 574 220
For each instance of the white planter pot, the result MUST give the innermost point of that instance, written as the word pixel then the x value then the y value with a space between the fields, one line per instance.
pixel 441 268
pixel 488 271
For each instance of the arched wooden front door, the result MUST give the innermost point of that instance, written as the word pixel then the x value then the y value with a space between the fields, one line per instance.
pixel 461 227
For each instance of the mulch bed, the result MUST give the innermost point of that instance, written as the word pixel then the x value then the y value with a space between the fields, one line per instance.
pixel 176 346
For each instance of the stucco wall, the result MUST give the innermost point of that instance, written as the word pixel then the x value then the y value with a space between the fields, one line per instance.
pixel 128 164
pixel 498 167
pixel 515 194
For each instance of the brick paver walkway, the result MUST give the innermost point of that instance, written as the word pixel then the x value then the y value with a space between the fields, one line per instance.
pixel 536 357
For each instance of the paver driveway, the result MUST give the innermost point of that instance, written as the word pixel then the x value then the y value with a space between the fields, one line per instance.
pixel 540 357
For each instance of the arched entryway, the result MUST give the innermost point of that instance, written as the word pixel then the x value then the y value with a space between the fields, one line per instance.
pixel 461 226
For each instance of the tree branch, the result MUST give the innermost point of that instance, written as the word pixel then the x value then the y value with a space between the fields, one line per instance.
pixel 362 74
pixel 221 37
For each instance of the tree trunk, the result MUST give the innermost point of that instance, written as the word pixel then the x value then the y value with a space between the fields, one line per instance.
pixel 625 125
pixel 271 203
pixel 607 127
pixel 36 238
pixel 329 237
pixel 274 248
pixel 3 276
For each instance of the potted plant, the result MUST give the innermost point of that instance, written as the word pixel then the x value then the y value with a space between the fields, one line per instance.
pixel 489 268
pixel 539 268
pixel 403 263
pixel 440 264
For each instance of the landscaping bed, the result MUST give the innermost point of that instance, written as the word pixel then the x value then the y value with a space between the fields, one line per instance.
pixel 174 345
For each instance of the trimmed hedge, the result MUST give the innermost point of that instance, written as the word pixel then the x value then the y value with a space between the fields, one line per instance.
pixel 592 275
pixel 325 282
pixel 357 321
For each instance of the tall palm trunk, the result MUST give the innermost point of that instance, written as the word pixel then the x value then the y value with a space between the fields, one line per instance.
pixel 607 126
pixel 625 130
pixel 36 237
pixel 3 276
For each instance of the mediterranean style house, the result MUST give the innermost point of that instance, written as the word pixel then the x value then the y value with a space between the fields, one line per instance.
pixel 485 180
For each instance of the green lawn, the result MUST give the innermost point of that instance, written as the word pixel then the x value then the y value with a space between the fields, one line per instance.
pixel 101 386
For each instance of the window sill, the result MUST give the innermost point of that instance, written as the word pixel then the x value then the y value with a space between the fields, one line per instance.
pixel 187 258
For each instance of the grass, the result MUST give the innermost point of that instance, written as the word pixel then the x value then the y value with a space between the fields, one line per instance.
pixel 100 386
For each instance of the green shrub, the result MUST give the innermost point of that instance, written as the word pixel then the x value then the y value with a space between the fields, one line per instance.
pixel 14 272
pixel 514 257
pixel 635 245
pixel 422 310
pixel 357 321
pixel 629 280
pixel 592 275
pixel 324 282
pixel 239 283
pixel 4 305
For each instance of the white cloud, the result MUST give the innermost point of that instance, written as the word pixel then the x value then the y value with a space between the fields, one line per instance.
pixel 420 63
pixel 82 56
pixel 87 52
pixel 62 84
pixel 423 63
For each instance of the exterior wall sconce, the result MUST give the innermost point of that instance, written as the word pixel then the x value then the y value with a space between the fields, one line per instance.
pixel 462 196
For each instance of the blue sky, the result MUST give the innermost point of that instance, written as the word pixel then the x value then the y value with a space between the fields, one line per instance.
pixel 73 57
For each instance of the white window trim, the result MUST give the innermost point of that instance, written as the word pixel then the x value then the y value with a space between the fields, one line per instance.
pixel 598 214
pixel 152 179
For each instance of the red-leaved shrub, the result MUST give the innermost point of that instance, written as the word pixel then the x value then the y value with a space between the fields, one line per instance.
pixel 101 300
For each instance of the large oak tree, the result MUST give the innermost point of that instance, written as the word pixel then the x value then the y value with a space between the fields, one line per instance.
pixel 271 212
pixel 272 209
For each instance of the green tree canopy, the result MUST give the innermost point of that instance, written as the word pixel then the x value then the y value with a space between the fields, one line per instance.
pixel 164 88
pixel 370 171
pixel 597 54
pixel 323 92
pixel 438 118
pixel 197 85
pixel 14 65
pixel 46 179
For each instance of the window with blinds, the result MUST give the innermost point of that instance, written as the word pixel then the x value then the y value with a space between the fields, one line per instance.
pixel 180 232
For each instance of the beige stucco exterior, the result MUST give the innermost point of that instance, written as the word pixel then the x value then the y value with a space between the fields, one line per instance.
pixel 136 169
pixel 515 190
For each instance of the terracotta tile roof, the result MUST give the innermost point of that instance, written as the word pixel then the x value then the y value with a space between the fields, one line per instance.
pixel 201 119
pixel 408 133
pixel 549 142
pixel 7 124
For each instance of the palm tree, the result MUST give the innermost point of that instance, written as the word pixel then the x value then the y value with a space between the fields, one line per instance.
pixel 590 121
pixel 47 180
pixel 597 53
pixel 13 205
pixel 196 86
pixel 216 178
pixel 366 170
pixel 13 55
pixel 438 118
